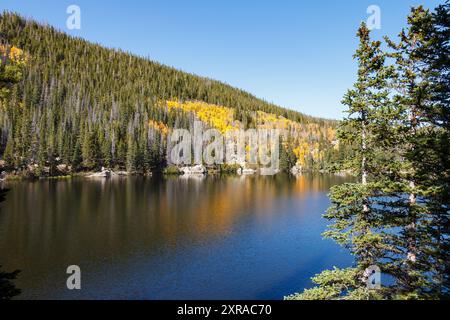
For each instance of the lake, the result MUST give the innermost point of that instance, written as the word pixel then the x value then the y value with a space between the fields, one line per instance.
pixel 172 238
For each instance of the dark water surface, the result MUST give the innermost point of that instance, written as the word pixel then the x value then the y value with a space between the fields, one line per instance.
pixel 175 238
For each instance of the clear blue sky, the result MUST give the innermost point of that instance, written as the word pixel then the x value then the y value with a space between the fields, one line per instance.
pixel 297 54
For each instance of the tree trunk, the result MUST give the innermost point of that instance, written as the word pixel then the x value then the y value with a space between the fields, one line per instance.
pixel 412 254
pixel 364 160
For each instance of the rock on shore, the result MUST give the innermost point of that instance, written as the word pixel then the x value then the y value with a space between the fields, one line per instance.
pixel 104 173
pixel 246 171
pixel 198 169
pixel 297 169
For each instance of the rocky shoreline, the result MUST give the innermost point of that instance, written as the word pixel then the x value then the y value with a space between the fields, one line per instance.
pixel 64 172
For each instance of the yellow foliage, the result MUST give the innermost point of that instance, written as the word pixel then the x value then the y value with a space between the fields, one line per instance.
pixel 15 54
pixel 301 151
pixel 159 126
pixel 220 118
pixel 270 121
pixel 302 134
pixel 331 134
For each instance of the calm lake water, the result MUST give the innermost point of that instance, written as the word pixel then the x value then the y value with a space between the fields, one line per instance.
pixel 174 238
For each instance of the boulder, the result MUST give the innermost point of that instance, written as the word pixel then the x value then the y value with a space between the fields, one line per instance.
pixel 31 168
pixel 297 169
pixel 104 173
pixel 198 169
pixel 246 171
pixel 193 177
pixel 63 168
pixel 268 171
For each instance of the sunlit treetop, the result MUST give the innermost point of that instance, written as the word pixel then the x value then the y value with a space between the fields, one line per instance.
pixel 13 55
pixel 159 126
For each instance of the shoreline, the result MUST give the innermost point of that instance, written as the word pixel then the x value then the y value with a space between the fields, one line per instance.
pixel 8 177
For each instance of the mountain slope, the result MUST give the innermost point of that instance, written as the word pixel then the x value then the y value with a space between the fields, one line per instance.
pixel 84 105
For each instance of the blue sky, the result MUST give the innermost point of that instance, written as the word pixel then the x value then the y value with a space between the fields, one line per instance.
pixel 297 54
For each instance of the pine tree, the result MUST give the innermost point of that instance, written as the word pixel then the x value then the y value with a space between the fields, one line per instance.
pixel 131 154
pixel 90 150
pixel 76 157
pixel 406 190
pixel 397 217
pixel 8 153
pixel 106 157
pixel 436 150
pixel 422 59
pixel 287 157
pixel 354 210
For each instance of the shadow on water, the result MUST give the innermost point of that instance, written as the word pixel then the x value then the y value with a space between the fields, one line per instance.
pixel 7 288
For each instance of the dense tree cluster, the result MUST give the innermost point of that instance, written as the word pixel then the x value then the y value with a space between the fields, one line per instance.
pixel 87 106
pixel 397 216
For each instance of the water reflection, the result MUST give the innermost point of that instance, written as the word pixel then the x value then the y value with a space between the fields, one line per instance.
pixel 121 223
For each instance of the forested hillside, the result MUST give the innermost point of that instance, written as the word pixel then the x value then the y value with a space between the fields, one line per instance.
pixel 86 106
